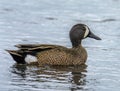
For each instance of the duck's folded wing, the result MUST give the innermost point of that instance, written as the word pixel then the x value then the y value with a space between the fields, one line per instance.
pixel 32 47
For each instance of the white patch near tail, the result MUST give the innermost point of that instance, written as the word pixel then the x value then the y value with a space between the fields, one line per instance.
pixel 86 31
pixel 30 58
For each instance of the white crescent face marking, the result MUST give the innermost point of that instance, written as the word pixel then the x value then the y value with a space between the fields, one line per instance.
pixel 30 58
pixel 86 31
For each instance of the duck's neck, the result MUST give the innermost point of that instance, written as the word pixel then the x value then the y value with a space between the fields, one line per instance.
pixel 76 44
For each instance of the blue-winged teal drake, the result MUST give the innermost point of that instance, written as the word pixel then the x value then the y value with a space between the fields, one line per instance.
pixel 43 54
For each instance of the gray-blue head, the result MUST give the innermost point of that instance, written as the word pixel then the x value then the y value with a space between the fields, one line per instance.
pixel 79 32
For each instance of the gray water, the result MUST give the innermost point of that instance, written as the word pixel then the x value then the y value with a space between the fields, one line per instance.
pixel 45 21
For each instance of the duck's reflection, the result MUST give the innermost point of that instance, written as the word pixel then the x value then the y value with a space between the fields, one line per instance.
pixel 75 76
pixel 19 70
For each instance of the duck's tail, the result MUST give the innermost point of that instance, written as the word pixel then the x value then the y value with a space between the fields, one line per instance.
pixel 18 57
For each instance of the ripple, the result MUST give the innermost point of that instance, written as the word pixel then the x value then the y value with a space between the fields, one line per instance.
pixel 8 9
pixel 102 48
pixel 50 18
pixel 100 20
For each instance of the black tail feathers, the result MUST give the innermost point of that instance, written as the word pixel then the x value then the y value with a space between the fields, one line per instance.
pixel 18 57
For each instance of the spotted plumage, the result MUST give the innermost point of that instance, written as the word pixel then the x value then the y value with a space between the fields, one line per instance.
pixel 44 54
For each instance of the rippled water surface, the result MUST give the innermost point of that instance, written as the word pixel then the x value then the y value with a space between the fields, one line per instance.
pixel 45 21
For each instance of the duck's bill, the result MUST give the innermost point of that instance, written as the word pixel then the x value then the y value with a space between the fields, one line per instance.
pixel 91 35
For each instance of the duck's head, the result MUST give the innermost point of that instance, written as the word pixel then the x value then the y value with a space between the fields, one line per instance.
pixel 79 32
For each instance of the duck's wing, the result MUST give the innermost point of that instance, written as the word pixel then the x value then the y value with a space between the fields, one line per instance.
pixel 29 49
pixel 36 47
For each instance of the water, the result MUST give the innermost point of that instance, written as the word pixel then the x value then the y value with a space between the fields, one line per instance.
pixel 45 21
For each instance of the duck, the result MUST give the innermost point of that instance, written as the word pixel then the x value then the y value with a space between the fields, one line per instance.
pixel 48 54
